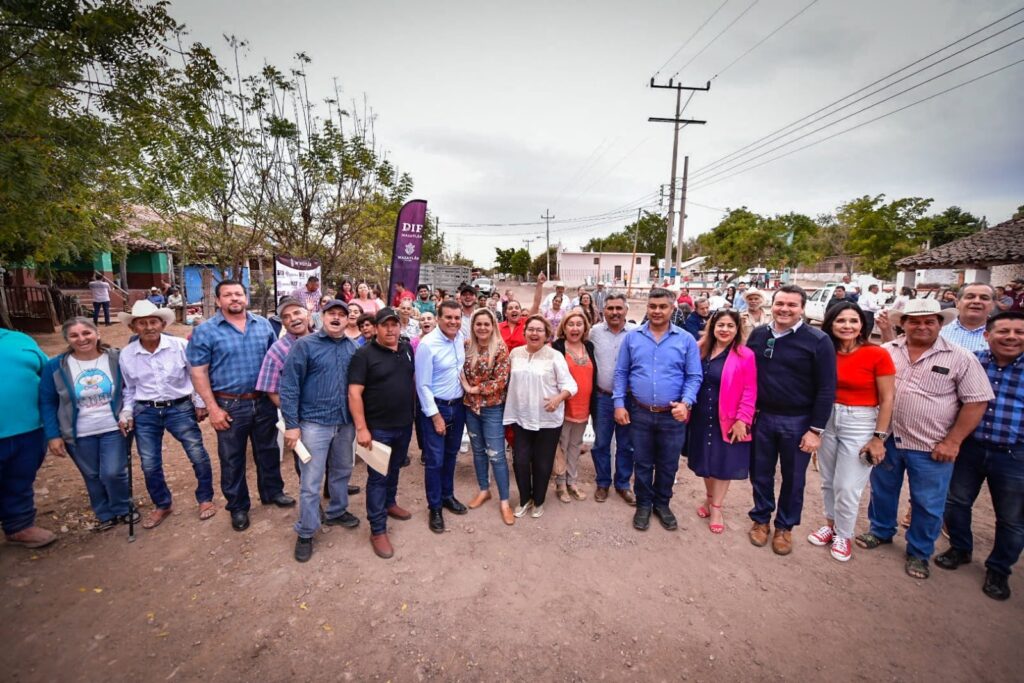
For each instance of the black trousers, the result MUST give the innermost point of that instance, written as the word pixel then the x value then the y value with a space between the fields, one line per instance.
pixel 533 460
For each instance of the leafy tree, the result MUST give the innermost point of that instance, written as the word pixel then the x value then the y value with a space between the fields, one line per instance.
pixel 433 241
pixel 541 262
pixel 504 258
pixel 458 259
pixel 1020 212
pixel 952 224
pixel 744 239
pixel 519 265
pixel 649 232
pixel 881 233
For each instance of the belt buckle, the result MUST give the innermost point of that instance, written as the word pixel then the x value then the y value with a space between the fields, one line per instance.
pixel 162 404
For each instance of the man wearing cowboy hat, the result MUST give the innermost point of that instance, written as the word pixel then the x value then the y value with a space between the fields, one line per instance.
pixel 155 297
pixel 158 396
pixel 559 290
pixel 941 395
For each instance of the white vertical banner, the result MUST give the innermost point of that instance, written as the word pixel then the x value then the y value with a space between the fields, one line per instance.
pixel 292 272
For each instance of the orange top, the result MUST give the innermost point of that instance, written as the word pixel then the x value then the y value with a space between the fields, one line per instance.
pixel 577 408
pixel 856 374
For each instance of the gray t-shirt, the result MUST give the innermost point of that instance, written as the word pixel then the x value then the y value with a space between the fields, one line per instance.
pixel 100 291
pixel 606 351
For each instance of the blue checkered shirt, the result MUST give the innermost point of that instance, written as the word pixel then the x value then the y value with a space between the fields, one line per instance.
pixel 234 359
pixel 1003 424
pixel 972 340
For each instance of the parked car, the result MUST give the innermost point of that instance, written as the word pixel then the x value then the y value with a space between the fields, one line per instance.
pixel 483 285
pixel 814 311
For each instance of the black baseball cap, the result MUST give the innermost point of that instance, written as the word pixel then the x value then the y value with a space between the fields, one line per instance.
pixel 335 303
pixel 385 313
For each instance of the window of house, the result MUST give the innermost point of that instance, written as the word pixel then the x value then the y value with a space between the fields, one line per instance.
pixel 597 261
pixel 638 260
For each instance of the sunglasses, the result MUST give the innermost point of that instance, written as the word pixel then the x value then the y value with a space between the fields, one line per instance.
pixel 771 348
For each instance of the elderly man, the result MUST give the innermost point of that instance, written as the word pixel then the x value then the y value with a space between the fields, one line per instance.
pixel 409 327
pixel 158 396
pixel 559 286
pixel 796 387
pixel 995 451
pixel 310 295
pixel 226 353
pixel 941 395
pixel 658 373
pixel 698 318
pixel 607 339
pixel 315 409
pixel 439 359
pixel 22 442
pixel 974 303
pixel 381 392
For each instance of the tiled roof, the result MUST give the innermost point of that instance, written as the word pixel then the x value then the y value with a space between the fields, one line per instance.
pixel 1000 244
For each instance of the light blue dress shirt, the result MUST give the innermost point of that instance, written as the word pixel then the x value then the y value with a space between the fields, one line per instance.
pixel 438 362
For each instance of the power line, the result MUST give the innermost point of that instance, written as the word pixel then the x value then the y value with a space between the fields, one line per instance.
pixel 625 209
pixel 692 36
pixel 864 123
pixel 719 35
pixel 765 39
pixel 563 230
pixel 728 168
pixel 773 134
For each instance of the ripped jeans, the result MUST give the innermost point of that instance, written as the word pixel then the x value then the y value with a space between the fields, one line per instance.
pixel 487 438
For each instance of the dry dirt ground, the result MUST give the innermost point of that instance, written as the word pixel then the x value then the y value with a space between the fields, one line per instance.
pixel 575 595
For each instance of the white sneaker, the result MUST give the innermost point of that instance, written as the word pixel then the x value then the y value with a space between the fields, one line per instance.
pixel 537 511
pixel 522 509
pixel 822 536
pixel 841 549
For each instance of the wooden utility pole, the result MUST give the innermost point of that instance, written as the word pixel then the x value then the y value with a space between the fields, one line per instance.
pixel 547 239
pixel 677 124
pixel 632 261
pixel 682 212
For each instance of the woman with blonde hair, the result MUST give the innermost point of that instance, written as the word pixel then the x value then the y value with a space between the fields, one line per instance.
pixel 572 343
pixel 484 380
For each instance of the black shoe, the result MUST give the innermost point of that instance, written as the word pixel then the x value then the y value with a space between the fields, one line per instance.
pixel 239 520
pixel 281 500
pixel 303 549
pixel 665 516
pixel 323 517
pixel 353 490
pixel 346 519
pixel 107 525
pixel 454 505
pixel 123 519
pixel 405 463
pixel 997 586
pixel 642 518
pixel 423 461
pixel 952 558
pixel 436 521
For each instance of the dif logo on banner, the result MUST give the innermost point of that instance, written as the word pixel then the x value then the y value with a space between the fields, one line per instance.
pixel 405 255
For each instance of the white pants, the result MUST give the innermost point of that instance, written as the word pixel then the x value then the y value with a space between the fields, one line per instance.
pixel 843 471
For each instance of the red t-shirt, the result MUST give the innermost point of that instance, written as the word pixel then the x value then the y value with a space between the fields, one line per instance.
pixel 856 374
pixel 513 336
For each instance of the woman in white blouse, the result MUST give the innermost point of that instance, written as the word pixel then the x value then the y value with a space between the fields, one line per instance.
pixel 538 386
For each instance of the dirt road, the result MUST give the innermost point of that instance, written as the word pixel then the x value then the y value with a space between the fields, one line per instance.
pixel 575 595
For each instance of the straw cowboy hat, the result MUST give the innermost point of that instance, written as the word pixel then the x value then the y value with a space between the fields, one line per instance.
pixel 144 308
pixel 917 307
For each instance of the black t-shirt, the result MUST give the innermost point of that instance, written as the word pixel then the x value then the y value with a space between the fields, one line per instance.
pixel 388 386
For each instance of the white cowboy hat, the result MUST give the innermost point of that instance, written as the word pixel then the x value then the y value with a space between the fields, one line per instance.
pixel 143 308
pixel 926 307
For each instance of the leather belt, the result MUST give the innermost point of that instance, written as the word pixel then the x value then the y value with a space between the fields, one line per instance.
pixel 165 404
pixel 448 402
pixel 652 409
pixel 238 397
pixel 603 392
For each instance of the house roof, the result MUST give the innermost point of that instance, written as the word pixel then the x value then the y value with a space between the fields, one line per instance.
pixel 998 245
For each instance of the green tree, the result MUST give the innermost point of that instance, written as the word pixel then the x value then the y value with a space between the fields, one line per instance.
pixel 881 233
pixel 520 263
pixel 503 259
pixel 648 231
pixel 541 262
pixel 952 224
pixel 433 241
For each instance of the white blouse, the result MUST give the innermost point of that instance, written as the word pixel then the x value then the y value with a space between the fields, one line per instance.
pixel 534 378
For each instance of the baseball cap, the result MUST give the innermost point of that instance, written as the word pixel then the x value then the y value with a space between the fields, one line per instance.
pixel 335 303
pixel 286 302
pixel 467 288
pixel 385 313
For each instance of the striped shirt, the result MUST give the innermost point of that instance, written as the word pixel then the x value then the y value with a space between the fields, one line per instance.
pixel 930 391
pixel 972 340
pixel 1003 424
pixel 234 357
pixel 311 300
pixel 273 364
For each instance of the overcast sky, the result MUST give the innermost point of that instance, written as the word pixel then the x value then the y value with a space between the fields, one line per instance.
pixel 500 111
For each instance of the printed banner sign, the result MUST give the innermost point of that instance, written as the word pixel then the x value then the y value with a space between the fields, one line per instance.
pixel 291 273
pixel 405 257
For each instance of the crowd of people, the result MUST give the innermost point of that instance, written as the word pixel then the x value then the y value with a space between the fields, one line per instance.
pixel 743 388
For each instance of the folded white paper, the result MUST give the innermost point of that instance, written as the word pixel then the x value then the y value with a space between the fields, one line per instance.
pixel 300 448
pixel 376 456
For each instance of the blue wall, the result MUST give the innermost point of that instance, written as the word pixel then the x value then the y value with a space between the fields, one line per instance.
pixel 194 282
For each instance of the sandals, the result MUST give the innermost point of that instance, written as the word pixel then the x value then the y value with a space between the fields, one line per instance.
pixel 156 517
pixel 563 495
pixel 576 493
pixel 916 568
pixel 869 541
pixel 207 510
pixel 702 510
pixel 716 528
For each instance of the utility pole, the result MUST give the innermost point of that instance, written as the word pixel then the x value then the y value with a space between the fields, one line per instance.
pixel 677 123
pixel 547 239
pixel 682 212
pixel 632 261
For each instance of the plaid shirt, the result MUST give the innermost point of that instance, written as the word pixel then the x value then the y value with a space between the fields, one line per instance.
pixel 1003 424
pixel 273 364
pixel 311 300
pixel 972 340
pixel 234 358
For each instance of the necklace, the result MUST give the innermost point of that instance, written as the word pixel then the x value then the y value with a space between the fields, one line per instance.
pixel 580 360
pixel 81 365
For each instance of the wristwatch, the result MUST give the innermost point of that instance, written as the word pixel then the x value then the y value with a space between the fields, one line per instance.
pixel 881 436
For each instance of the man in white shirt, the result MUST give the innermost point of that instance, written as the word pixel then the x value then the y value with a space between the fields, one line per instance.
pixel 99 290
pixel 559 286
pixel 871 303
pixel 158 396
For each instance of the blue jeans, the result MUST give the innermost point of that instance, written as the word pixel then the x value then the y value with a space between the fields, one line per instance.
pixel 487 438
pixel 929 483
pixel 180 421
pixel 20 458
pixel 440 452
pixel 1004 470
pixel 255 421
pixel 658 439
pixel 326 443
pixel 96 306
pixel 777 442
pixel 381 491
pixel 604 428
pixel 103 461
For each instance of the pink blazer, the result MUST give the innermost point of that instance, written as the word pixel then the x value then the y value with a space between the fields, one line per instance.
pixel 738 393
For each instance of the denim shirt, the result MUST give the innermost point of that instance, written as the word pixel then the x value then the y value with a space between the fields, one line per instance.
pixel 314 385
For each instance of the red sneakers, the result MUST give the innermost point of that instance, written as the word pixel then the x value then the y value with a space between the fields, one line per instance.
pixel 822 536
pixel 841 549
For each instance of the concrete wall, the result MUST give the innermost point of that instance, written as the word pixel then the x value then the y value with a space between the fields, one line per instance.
pixel 576 267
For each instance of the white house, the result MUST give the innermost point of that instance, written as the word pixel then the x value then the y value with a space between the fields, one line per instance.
pixel 579 267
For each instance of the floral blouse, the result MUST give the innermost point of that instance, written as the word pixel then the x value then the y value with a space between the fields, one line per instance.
pixel 491 377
